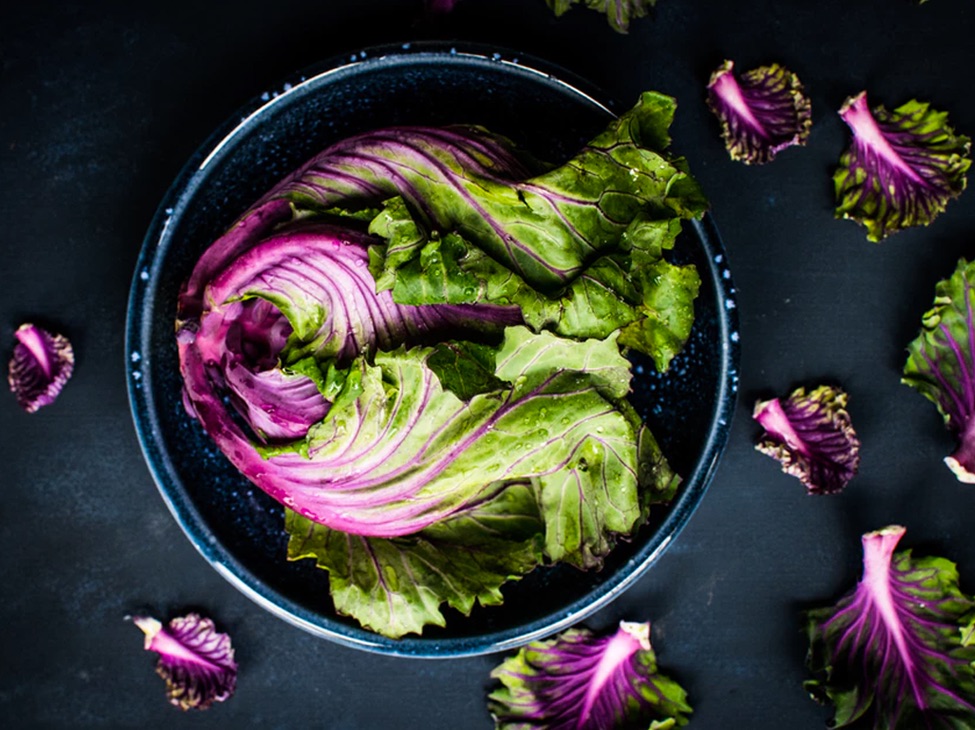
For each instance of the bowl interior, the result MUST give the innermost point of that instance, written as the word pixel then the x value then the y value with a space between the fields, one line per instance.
pixel 234 524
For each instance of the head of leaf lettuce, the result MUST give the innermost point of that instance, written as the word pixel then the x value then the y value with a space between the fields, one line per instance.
pixel 416 343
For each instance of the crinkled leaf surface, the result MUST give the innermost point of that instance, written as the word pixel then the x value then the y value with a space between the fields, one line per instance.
pixel 941 363
pixel 762 112
pixel 41 364
pixel 635 290
pixel 398 586
pixel 579 681
pixel 195 659
pixel 893 652
pixel 521 240
pixel 811 435
pixel 545 227
pixel 397 452
pixel 617 12
pixel 902 167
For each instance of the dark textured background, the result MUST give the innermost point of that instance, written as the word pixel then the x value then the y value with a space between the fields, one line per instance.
pixel 100 105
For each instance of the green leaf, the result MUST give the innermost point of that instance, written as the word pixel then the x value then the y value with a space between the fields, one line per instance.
pixel 635 290
pixel 527 360
pixel 465 368
pixel 595 496
pixel 397 586
pixel 403 236
pixel 328 377
pixel 617 12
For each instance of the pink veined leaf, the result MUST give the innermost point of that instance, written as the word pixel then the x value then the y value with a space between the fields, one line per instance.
pixel 902 167
pixel 812 436
pixel 762 112
pixel 894 652
pixel 41 364
pixel 579 681
pixel 195 659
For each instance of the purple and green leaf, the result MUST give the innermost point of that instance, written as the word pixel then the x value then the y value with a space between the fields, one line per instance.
pixel 812 436
pixel 41 364
pixel 941 363
pixel 579 681
pixel 398 586
pixel 902 167
pixel 896 652
pixel 762 112
pixel 619 13
pixel 195 659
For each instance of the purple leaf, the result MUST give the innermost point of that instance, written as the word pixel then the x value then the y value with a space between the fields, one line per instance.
pixel 41 364
pixel 902 167
pixel 578 681
pixel 761 113
pixel 811 435
pixel 437 7
pixel 196 661
pixel 941 363
pixel 896 651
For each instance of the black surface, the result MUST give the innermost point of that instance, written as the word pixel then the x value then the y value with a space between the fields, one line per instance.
pixel 100 106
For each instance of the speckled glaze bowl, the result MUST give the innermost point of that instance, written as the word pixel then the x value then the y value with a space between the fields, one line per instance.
pixel 236 527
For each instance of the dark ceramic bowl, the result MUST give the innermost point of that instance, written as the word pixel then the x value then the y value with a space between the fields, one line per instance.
pixel 236 526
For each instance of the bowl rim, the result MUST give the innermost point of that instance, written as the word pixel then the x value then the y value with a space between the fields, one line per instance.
pixel 138 356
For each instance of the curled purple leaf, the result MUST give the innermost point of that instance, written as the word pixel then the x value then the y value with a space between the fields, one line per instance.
pixel 195 659
pixel 897 651
pixel 762 112
pixel 579 681
pixel 902 167
pixel 812 436
pixel 41 364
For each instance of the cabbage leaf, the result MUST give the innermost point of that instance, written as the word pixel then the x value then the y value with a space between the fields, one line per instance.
pixel 196 661
pixel 580 681
pixel 941 363
pixel 902 167
pixel 896 651
pixel 42 363
pixel 762 112
pixel 812 436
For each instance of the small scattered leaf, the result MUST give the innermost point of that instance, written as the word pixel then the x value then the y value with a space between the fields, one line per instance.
pixel 196 660
pixel 762 112
pixel 41 364
pixel 902 167
pixel 812 436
